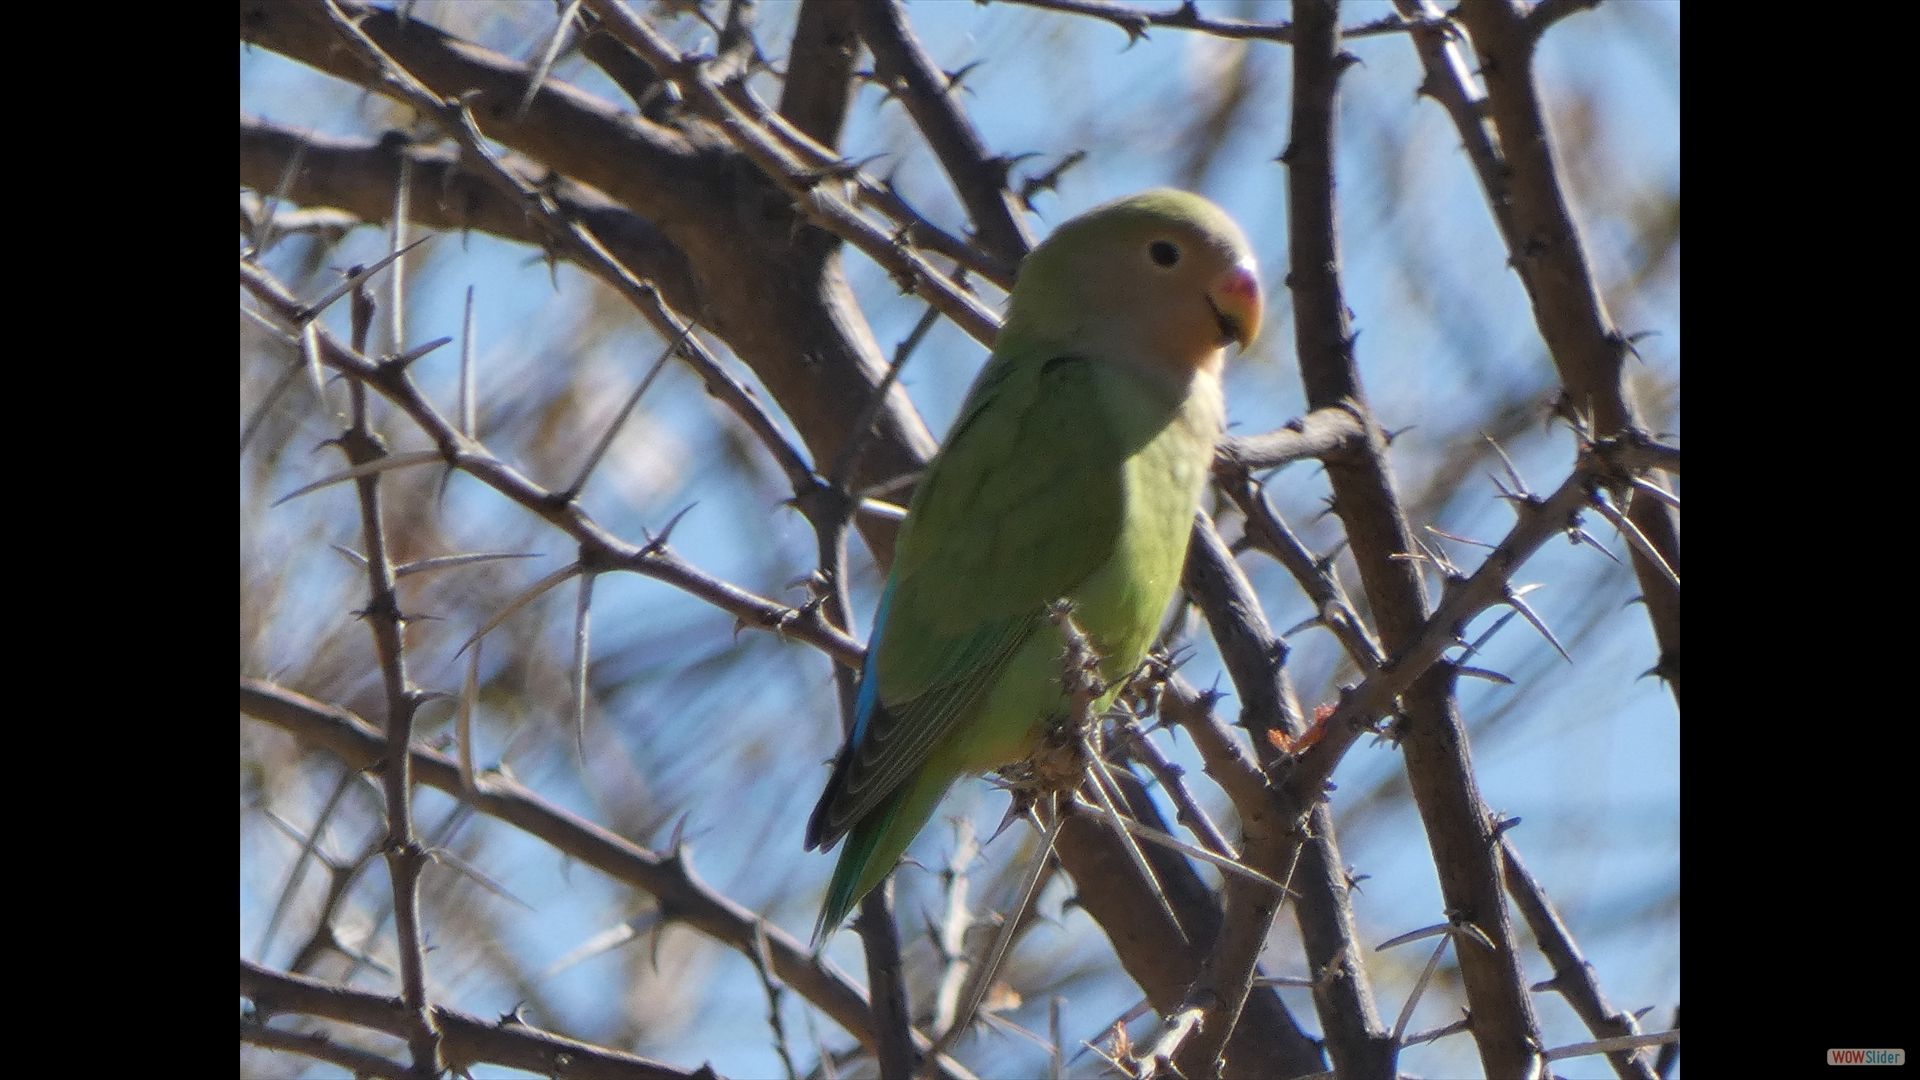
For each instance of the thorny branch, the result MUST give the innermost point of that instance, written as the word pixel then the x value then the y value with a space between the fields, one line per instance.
pixel 817 200
pixel 669 878
pixel 1187 16
pixel 1433 737
pixel 465 1040
pixel 1546 250
pixel 606 551
pixel 406 858
pixel 774 291
pixel 1287 835
pixel 932 98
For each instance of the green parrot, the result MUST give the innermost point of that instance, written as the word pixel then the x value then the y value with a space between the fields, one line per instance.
pixel 1073 473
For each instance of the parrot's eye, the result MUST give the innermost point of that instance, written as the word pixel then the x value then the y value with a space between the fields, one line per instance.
pixel 1163 252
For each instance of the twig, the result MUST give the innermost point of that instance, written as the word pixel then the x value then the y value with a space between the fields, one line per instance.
pixel 1188 17
pixel 1004 937
pixel 1573 977
pixel 405 857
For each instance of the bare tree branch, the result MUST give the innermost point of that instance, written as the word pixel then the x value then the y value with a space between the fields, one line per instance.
pixel 1325 433
pixel 1306 860
pixel 405 856
pixel 1187 16
pixel 931 97
pixel 773 292
pixel 359 176
pixel 814 199
pixel 1573 977
pixel 319 1047
pixel 598 547
pixel 669 878
pixel 1433 738
pixel 820 65
pixel 1545 248
pixel 468 1040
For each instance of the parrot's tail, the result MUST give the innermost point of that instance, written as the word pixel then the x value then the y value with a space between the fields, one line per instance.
pixel 845 890
pixel 874 845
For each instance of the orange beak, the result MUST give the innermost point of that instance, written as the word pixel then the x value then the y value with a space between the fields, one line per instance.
pixel 1235 297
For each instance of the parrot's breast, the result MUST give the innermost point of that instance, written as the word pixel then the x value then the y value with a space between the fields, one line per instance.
pixel 1169 443
pixel 1121 606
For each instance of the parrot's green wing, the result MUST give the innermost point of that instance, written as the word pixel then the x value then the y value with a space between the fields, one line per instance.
pixel 978 565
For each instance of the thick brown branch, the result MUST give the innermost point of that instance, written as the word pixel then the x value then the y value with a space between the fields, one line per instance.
pixel 820 65
pixel 815 200
pixel 361 175
pixel 767 285
pixel 1267 1042
pixel 1324 433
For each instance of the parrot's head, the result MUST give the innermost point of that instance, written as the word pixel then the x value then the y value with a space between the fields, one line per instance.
pixel 1163 277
